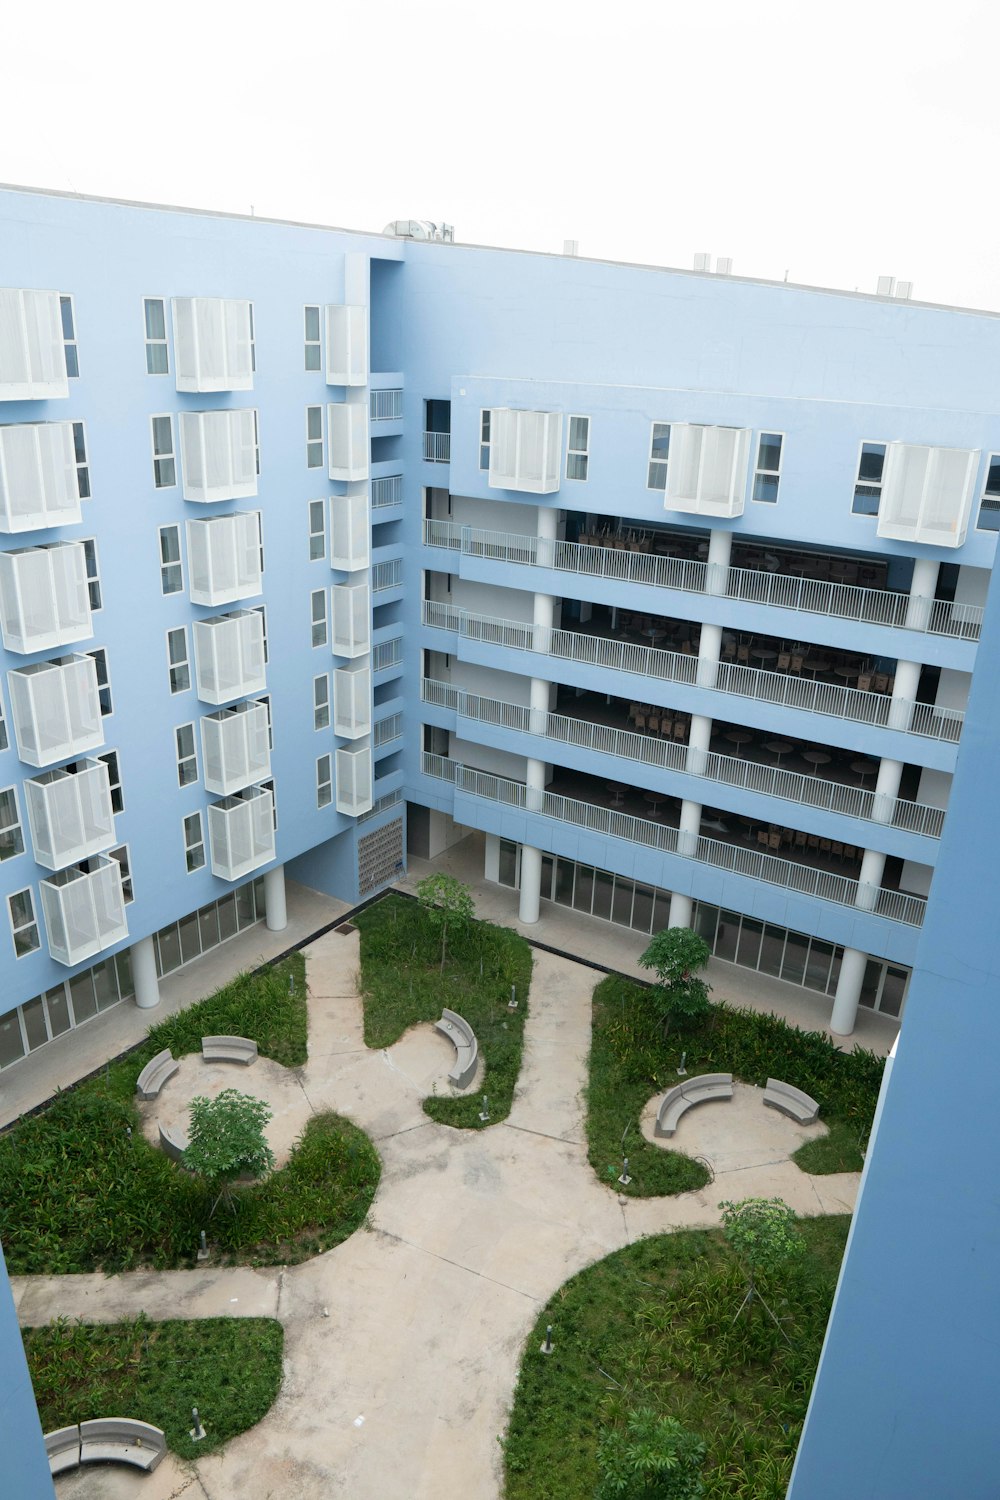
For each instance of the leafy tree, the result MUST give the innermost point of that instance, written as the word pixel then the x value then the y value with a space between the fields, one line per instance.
pixel 675 953
pixel 761 1233
pixel 654 1459
pixel 227 1141
pixel 447 904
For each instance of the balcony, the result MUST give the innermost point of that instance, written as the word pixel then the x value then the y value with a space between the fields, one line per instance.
pixel 780 578
pixel 44 601
pixel 224 558
pixel 352 619
pixel 229 656
pixel 350 532
pixel 387 654
pixel 927 494
pixel 742 858
pixel 235 748
pixel 219 455
pixel 387 492
pixel 38 477
pixel 354 780
pixel 707 470
pixel 779 687
pixel 437 447
pixel 347 425
pixel 352 701
pixel 32 351
pixel 387 575
pixel 241 833
pixel 525 450
pixel 213 344
pixel 70 814
pixel 346 345
pixel 56 709
pixel 386 405
pixel 84 910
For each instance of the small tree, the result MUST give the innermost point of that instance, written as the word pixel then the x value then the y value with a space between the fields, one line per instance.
pixel 675 953
pixel 761 1233
pixel 654 1459
pixel 228 1141
pixel 447 903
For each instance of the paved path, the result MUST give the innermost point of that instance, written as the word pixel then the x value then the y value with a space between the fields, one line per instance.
pixel 401 1391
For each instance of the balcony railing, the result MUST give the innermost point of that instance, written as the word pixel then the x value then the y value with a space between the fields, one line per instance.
pixel 386 406
pixel 387 654
pixel 668 755
pixel 896 906
pixel 387 575
pixel 778 590
pixel 437 447
pixel 387 730
pixel 387 491
pixel 391 799
pixel 828 699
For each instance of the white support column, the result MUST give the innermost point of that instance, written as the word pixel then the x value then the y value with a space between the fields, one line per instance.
pixel 147 986
pixel 845 1003
pixel 720 546
pixel 531 883
pixel 681 910
pixel 276 914
pixel 890 773
pixel 699 740
pixel 922 588
pixel 904 693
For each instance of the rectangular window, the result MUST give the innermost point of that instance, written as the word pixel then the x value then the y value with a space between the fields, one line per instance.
pixel 319 627
pixel 23 926
pixel 93 573
pixel 268 786
pixel 253 345
pixel 265 703
pixel 171 569
pixel 4 741
pixel 314 437
pixel 110 759
pixel 187 755
pixel 868 487
pixel 256 441
pixel 11 838
pixel 321 701
pixel 155 315
pixel 324 781
pixel 659 452
pixel 768 469
pixel 317 530
pixel 69 337
pixel 484 439
pixel 177 660
pixel 103 681
pixel 80 455
pixel 121 855
pixel 989 506
pixel 194 842
pixel 577 453
pixel 314 353
pixel 164 465
pixel 261 609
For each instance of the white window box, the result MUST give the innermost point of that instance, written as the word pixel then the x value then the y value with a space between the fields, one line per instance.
pixel 229 656
pixel 354 780
pixel 352 701
pixel 352 619
pixel 224 558
pixel 44 599
pixel 84 910
pixel 38 477
pixel 241 833
pixel 350 531
pixel 927 494
pixel 235 748
pixel 525 450
pixel 32 350
pixel 347 429
pixel 70 814
pixel 346 345
pixel 212 344
pixel 56 709
pixel 219 455
pixel 707 470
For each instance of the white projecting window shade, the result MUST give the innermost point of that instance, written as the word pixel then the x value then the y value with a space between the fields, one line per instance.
pixel 707 470
pixel 927 494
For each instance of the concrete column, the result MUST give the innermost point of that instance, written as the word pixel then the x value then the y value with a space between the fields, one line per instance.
pixel 845 1002
pixel 904 693
pixel 720 546
pixel 274 899
pixel 538 704
pixel 890 773
pixel 709 651
pixel 531 883
pixel 699 740
pixel 147 986
pixel 922 587
pixel 681 910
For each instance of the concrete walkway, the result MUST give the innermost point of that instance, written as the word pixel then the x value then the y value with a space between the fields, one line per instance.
pixel 401 1392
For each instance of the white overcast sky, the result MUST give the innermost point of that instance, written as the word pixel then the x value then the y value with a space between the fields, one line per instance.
pixel 833 139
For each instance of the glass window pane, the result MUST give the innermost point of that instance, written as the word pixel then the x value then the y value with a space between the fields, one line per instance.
pixel 34 1023
pixel 818 967
pixel 765 488
pixel 661 441
pixel 796 952
pixel 81 988
pixel 621 910
pixel 583 894
pixel 190 940
pixel 227 917
pixel 312 323
pixel 771 949
pixel 11 1045
pixel 105 984
pixel 893 990
pixel 208 922
pixel 603 883
pixel 245 906
pixel 642 909
pixel 705 919
pixel 661 911
pixel 548 873
pixel 315 420
pixel 729 928
pixel 58 1008
pixel 872 460
pixel 169 944
pixel 564 882
pixel 156 323
pixel 769 452
pixel 72 361
pixel 123 971
pixel 748 948
pixel 66 309
pixel 156 359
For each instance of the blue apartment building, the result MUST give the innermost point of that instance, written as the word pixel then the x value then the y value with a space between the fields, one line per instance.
pixel 319 547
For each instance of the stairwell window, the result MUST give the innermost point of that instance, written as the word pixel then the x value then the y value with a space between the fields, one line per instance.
pixel 868 485
pixel 171 568
pixel 989 506
pixel 23 926
pixel 314 348
pixel 69 337
pixel 194 843
pixel 324 781
pixel 314 437
pixel 659 452
pixel 154 311
pixel 178 664
pixel 187 755
pixel 164 463
pixel 767 471
pixel 80 455
pixel 577 453
pixel 484 439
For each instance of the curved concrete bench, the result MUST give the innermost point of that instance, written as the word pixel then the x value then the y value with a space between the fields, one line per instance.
pixel 173 1143
pixel 155 1074
pixel 791 1101
pixel 683 1096
pixel 237 1049
pixel 461 1033
pixel 63 1448
pixel 120 1440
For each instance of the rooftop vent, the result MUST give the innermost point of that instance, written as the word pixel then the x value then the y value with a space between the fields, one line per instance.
pixel 723 264
pixel 571 247
pixel 420 229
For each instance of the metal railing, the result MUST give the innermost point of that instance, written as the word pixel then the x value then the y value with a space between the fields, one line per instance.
pixel 771 869
pixel 437 447
pixel 386 730
pixel 671 755
pixel 387 654
pixel 391 799
pixel 825 698
pixel 387 491
pixel 387 575
pixel 778 590
pixel 386 406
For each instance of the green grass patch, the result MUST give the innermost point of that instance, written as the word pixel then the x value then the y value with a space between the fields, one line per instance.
pixel 402 984
pixel 652 1325
pixel 230 1368
pixel 80 1194
pixel 630 1061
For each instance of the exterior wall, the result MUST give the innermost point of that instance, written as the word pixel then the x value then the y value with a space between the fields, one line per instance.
pixel 25 1462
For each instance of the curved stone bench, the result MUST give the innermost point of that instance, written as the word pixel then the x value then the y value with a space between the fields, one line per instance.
pixel 121 1440
pixel 791 1101
pixel 236 1049
pixel 461 1033
pixel 683 1096
pixel 173 1143
pixel 155 1074
pixel 63 1449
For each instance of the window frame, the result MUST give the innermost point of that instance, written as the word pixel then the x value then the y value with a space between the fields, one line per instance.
pixel 99 655
pixel 578 453
pixel 175 666
pixel 156 343
pixel 265 701
pixel 315 556
pixel 93 570
pixel 485 437
pixel 312 442
pixel 193 844
pixel 317 342
pixel 324 783
pixel 122 854
pixel 775 474
pixel 167 456
pixel 185 758
pixel 321 701
pixel 69 339
pixel 165 567
pixel 81 460
pixel 318 641
pixel 16 827
pixel 31 922
pixel 660 463
pixel 992 461
pixel 860 483
pixel 4 732
pixel 112 760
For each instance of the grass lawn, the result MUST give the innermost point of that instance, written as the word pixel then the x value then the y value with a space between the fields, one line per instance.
pixel 652 1325
pixel 79 1194
pixel 630 1062
pixel 230 1368
pixel 402 984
